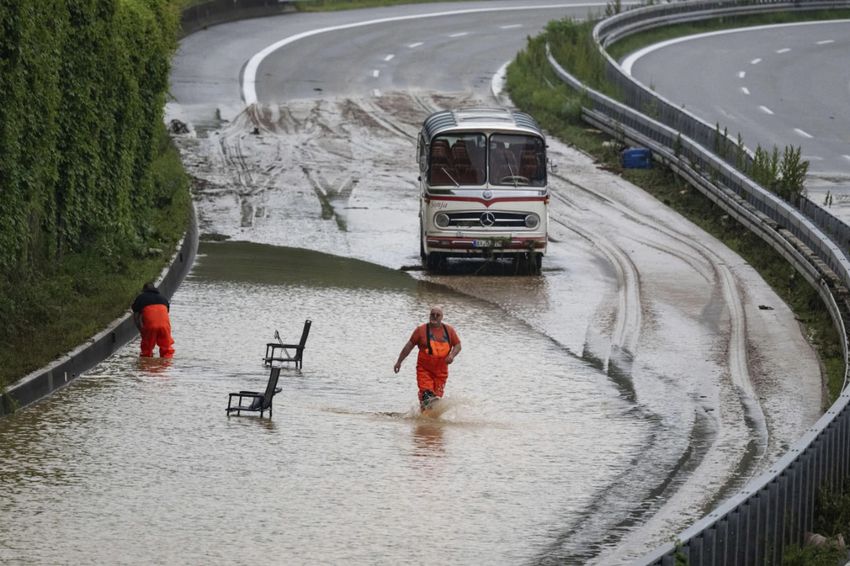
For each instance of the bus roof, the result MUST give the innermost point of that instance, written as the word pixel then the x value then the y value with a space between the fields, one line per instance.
pixel 498 119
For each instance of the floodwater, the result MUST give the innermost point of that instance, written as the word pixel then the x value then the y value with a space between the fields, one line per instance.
pixel 136 462
pixel 596 410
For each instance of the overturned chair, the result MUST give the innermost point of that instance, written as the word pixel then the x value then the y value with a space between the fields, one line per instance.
pixel 278 352
pixel 259 402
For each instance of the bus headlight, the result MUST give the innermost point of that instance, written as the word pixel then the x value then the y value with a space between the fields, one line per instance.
pixel 441 219
pixel 532 221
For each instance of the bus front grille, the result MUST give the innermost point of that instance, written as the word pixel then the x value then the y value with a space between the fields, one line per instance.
pixel 487 219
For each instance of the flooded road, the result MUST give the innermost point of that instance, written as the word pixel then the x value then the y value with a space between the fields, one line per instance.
pixel 595 411
pixel 137 462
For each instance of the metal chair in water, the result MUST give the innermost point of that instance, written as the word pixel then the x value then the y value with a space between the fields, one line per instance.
pixel 278 352
pixel 260 402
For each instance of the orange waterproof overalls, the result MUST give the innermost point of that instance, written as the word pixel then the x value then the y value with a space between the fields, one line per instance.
pixel 432 371
pixel 156 330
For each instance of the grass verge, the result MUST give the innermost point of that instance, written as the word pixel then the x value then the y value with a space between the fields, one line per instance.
pixel 82 293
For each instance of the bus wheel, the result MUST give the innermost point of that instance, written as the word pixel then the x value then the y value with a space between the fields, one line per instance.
pixel 421 249
pixel 433 262
pixel 537 264
pixel 528 263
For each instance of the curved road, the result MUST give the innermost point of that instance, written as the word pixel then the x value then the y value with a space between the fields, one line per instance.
pixel 776 85
pixel 595 411
pixel 342 102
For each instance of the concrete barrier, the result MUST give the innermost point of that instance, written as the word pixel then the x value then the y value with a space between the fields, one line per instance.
pixel 43 382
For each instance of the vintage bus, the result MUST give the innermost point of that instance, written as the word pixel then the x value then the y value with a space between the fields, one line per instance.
pixel 483 189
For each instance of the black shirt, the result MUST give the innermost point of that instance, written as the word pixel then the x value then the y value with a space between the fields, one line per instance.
pixel 148 298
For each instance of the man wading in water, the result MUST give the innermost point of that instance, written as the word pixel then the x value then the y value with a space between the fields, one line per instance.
pixel 150 313
pixel 438 345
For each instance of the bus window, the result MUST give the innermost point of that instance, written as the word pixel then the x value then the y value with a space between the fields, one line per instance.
pixel 458 159
pixel 517 159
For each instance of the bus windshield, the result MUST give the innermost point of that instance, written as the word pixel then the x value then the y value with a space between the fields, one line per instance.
pixel 517 159
pixel 458 159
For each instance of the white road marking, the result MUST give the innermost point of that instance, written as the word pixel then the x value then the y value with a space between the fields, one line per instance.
pixel 511 26
pixel 803 133
pixel 249 77
pixel 389 57
pixel 825 41
pixel 375 73
pixel 765 109
pixel 783 50
pixel 497 82
pixel 459 34
pixel 629 61
pixel 415 45
pixel 811 157
pixel 745 90
pixel 755 61
pixel 847 157
pixel 742 74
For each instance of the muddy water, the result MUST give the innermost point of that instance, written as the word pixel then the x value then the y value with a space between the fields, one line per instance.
pixel 136 463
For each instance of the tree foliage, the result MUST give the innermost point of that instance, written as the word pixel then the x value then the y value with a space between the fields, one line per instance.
pixel 82 91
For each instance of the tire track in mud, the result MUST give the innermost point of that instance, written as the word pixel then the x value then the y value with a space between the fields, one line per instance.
pixel 315 146
pixel 722 277
pixel 715 272
pixel 648 479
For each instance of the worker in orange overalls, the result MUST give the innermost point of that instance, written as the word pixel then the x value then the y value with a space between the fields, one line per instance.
pixel 150 313
pixel 438 345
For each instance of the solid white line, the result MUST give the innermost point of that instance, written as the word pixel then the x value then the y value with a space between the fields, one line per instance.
pixel 765 109
pixel 249 78
pixel 511 26
pixel 459 34
pixel 803 133
pixel 389 57
pixel 745 90
pixel 825 41
pixel 415 45
pixel 497 82
pixel 783 50
pixel 375 73
pixel 742 74
pixel 755 61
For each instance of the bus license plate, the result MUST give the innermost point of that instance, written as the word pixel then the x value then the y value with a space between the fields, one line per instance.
pixel 486 244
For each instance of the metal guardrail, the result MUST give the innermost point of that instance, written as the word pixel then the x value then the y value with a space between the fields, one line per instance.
pixel 776 509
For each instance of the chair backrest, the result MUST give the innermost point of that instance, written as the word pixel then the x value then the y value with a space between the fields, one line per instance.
pixel 307 324
pixel 274 375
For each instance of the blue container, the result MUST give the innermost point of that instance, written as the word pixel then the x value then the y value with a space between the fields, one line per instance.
pixel 637 158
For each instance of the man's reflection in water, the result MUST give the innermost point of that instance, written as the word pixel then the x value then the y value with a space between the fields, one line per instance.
pixel 428 438
pixel 155 365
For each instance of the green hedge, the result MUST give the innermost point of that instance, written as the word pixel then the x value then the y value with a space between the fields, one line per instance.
pixel 82 91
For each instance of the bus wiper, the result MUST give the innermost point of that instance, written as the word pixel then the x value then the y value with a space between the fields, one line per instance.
pixel 513 175
pixel 449 175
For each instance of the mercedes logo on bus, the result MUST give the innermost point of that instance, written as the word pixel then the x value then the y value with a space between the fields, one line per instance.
pixel 488 219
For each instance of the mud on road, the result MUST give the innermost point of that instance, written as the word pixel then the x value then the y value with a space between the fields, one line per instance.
pixel 667 315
